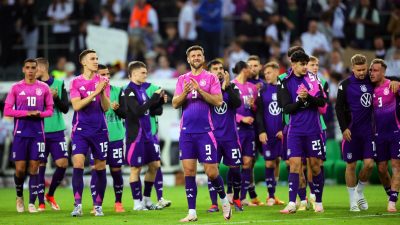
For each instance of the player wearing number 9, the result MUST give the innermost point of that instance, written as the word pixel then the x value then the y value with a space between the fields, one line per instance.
pixel 29 101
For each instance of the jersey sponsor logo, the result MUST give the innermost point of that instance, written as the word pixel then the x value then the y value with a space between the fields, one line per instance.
pixel 366 100
pixel 82 88
pixel 274 109
pixel 39 91
pixel 363 88
pixel 221 109
pixel 274 96
pixel 131 94
pixel 203 82
pixel 386 91
pixel 22 93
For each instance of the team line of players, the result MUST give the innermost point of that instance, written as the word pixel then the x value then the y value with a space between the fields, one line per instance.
pixel 220 119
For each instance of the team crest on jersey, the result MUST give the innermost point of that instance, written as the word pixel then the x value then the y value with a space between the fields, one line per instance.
pixel 203 82
pixel 363 88
pixel 386 91
pixel 39 91
pixel 250 91
pixel 274 97
pixel 220 110
pixel 349 155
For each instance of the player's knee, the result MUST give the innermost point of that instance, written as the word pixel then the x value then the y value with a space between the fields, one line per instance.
pixel 368 165
pixel 189 172
pixel 382 168
pixel 212 174
pixel 351 167
pixel 62 163
pixel 115 169
pixel 19 172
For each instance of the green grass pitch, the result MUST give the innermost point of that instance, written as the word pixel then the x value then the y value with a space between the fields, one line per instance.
pixel 335 203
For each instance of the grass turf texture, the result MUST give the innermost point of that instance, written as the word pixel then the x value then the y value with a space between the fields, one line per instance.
pixel 335 203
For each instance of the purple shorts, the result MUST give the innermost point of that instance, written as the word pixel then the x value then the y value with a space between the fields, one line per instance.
pixel 387 147
pixel 98 144
pixel 247 142
pixel 272 149
pixel 200 146
pixel 360 147
pixel 230 152
pixel 142 152
pixel 115 154
pixel 57 147
pixel 310 146
pixel 28 148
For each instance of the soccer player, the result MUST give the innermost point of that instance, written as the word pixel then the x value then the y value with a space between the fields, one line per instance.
pixel 54 127
pixel 255 67
pixel 387 130
pixel 245 116
pixel 269 124
pixel 158 182
pixel 225 132
pixel 196 91
pixel 354 113
pixel 90 98
pixel 313 67
pixel 116 134
pixel 301 95
pixel 142 148
pixel 29 101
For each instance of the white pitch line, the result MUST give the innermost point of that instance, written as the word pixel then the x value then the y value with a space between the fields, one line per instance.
pixel 304 219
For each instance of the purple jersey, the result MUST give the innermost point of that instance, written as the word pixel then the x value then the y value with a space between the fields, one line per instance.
pixel 223 118
pixel 306 120
pixel 272 113
pixel 196 115
pixel 248 92
pixel 385 109
pixel 90 119
pixel 25 97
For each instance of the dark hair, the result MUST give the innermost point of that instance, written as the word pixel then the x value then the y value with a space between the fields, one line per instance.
pixel 213 62
pixel 194 48
pixel 299 56
pixel 135 65
pixel 43 61
pixel 239 67
pixel 102 67
pixel 293 50
pixel 84 53
pixel 29 61
pixel 379 61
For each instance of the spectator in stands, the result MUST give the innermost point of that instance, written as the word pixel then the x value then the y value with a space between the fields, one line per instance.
pixel 59 13
pixel 59 71
pixel 395 46
pixel 114 6
pixel 336 64
pixel 83 10
pixel 109 19
pixel 314 42
pixel 279 31
pixel 315 8
pixel 233 54
pixel 150 60
pixel 151 38
pixel 252 28
pixel 79 40
pixel 186 25
pixel 379 47
pixel 172 42
pixel 181 68
pixel 28 28
pixel 210 13
pixel 339 14
pixel 393 26
pixel 365 20
pixel 71 72
pixel 8 32
pixel 325 25
pixel 228 30
pixel 164 71
pixel 295 12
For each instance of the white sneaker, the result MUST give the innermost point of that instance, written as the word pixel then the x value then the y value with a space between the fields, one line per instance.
pixel 77 211
pixel 230 197
pixel 289 209
pixel 20 204
pixel 189 218
pixel 311 200
pixel 227 211
pixel 362 203
pixel 318 207
pixel 354 208
pixel 98 211
pixel 140 207
pixel 32 208
pixel 270 202
pixel 391 207
pixel 162 203
pixel 303 206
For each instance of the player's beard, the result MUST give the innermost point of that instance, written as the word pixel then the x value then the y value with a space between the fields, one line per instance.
pixel 194 66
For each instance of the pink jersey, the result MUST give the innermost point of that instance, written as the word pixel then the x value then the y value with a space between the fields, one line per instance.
pixel 196 115
pixel 385 109
pixel 25 97
pixel 90 119
pixel 247 92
